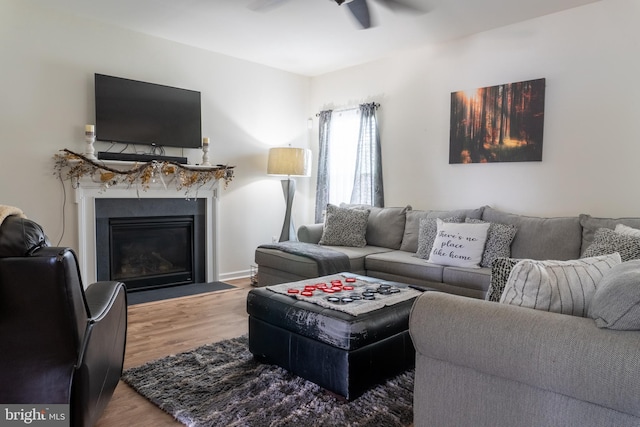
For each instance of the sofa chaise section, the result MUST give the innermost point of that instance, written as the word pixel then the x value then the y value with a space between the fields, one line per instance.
pixel 481 363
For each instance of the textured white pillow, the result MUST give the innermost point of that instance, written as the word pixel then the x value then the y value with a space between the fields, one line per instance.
pixel 565 287
pixel 459 244
pixel 627 231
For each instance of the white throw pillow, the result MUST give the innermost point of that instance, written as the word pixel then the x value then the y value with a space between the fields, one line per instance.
pixel 627 231
pixel 459 244
pixel 565 287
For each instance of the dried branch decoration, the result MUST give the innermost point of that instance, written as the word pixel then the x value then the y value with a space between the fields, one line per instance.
pixel 142 175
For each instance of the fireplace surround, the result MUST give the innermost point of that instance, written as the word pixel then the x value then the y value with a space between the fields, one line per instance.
pixel 91 196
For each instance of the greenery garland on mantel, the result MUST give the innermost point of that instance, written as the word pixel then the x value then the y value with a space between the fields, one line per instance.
pixel 141 175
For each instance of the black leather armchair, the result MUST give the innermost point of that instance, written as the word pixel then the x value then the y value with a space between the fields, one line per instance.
pixel 60 343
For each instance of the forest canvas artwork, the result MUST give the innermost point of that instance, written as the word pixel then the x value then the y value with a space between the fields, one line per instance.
pixel 501 123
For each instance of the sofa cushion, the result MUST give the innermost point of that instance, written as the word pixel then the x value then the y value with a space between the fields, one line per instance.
pixel 590 224
pixel 412 230
pixel 500 270
pixel 459 245
pixel 345 227
pixel 564 287
pixel 498 243
pixel 306 267
pixel 428 232
pixel 469 278
pixel 616 303
pixel 385 227
pixel 540 238
pixel 462 213
pixel 401 263
pixel 607 241
pixel 412 227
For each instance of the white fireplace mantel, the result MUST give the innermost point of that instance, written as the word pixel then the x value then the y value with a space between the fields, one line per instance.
pixel 87 191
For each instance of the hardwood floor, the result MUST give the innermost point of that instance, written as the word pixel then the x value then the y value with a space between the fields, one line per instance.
pixel 161 328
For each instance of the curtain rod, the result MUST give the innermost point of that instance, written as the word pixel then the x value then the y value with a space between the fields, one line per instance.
pixel 375 105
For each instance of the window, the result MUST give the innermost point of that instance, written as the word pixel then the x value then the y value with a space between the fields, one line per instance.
pixel 349 163
pixel 343 150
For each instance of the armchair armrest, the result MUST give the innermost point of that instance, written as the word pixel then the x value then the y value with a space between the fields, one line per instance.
pixel 311 233
pixel 564 354
pixel 100 297
pixel 101 358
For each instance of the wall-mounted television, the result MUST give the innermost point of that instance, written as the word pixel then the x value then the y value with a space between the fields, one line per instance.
pixel 135 112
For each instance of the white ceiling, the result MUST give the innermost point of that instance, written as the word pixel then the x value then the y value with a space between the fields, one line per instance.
pixel 308 37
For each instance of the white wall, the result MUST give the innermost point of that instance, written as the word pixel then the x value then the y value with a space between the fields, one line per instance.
pixel 46 98
pixel 591 142
pixel 589 57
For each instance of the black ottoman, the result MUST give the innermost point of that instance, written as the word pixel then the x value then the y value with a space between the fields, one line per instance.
pixel 342 353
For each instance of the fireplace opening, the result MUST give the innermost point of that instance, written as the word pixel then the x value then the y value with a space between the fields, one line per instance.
pixel 151 252
pixel 151 243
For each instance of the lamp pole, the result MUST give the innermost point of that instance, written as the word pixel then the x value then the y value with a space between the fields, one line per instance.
pixel 288 229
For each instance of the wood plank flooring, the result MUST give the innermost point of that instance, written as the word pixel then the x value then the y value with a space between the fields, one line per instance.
pixel 161 328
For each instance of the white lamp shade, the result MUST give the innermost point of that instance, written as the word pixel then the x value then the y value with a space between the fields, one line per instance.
pixel 289 161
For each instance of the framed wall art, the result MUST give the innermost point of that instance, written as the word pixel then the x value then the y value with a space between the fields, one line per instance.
pixel 502 123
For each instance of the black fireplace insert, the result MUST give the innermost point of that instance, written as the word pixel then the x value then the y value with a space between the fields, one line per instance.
pixel 152 244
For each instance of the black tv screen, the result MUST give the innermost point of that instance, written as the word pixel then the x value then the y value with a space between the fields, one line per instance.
pixel 135 112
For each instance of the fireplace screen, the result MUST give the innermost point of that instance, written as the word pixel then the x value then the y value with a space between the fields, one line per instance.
pixel 152 251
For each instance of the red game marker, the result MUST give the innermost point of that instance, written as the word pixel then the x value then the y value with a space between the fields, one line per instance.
pixel 347 288
pixel 306 293
pixel 292 291
pixel 350 279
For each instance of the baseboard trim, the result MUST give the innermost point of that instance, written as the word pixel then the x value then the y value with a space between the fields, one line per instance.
pixel 243 274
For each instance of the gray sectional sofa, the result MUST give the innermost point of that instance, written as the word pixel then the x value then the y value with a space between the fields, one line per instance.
pixel 484 364
pixel 392 242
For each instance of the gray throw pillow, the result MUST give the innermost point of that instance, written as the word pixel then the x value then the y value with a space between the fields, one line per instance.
pixel 345 227
pixel 385 226
pixel 607 241
pixel 616 303
pixel 500 270
pixel 498 241
pixel 427 235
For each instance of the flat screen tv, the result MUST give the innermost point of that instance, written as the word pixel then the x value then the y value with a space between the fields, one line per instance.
pixel 135 112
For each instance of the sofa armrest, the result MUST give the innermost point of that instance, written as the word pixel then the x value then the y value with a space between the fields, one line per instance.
pixel 560 353
pixel 311 233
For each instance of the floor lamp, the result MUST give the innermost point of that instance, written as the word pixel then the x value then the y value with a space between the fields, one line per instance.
pixel 289 161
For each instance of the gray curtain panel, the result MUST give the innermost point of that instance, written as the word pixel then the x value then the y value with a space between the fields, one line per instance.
pixel 367 186
pixel 322 190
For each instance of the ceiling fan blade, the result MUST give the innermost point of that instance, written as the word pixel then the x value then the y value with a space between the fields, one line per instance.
pixel 360 10
pixel 400 6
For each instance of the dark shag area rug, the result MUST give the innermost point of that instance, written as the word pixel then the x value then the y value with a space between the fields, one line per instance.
pixel 221 384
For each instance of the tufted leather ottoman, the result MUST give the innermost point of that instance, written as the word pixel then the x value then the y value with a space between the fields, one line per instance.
pixel 342 353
